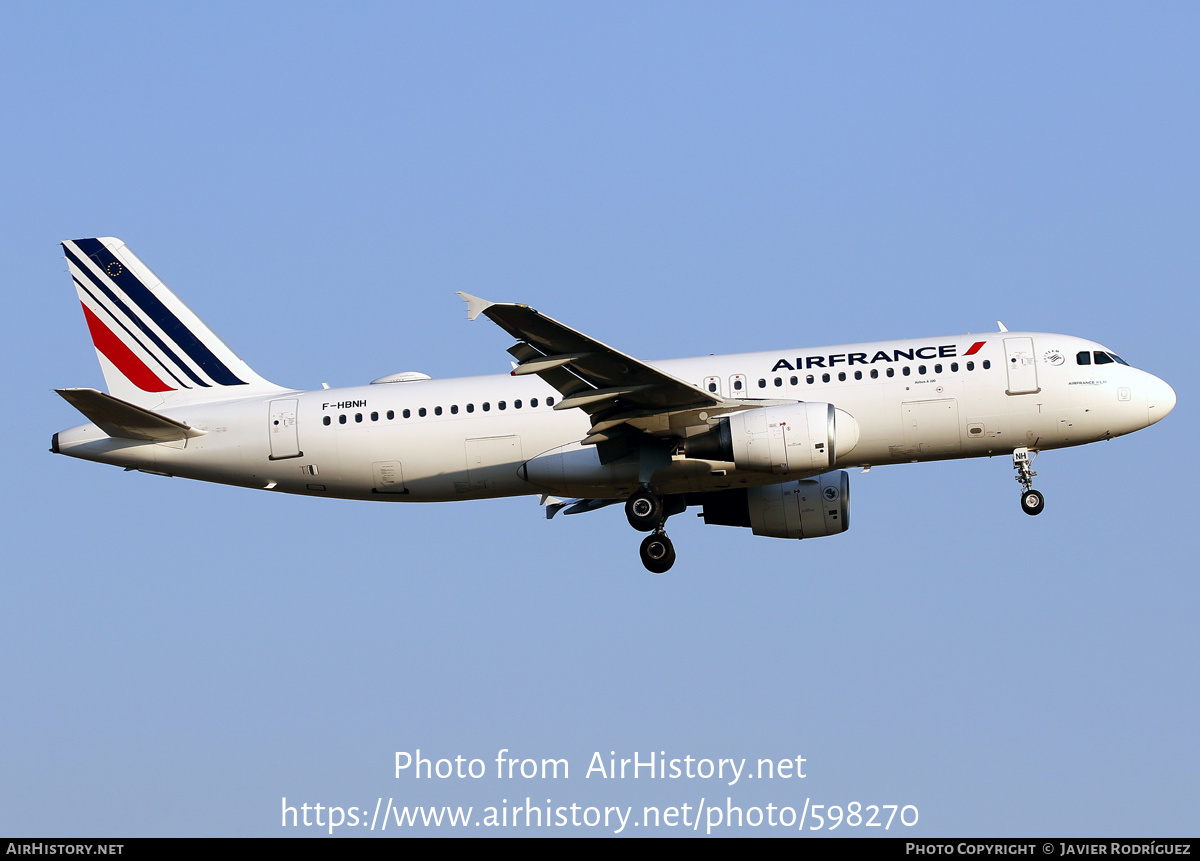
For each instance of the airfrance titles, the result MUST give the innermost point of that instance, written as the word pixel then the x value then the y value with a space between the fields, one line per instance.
pixel 942 351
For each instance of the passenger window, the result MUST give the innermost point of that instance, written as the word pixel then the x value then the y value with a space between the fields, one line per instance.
pixel 907 370
pixel 326 420
pixel 502 405
pixel 408 414
pixel 874 373
pixel 454 409
pixel 1103 358
pixel 421 412
pixel 987 363
pixel 341 420
pixel 712 387
pixel 486 406
pixel 778 382
pixel 842 376
pixel 358 417
pixel 374 417
pixel 516 405
pixel 810 379
pixel 533 402
pixel 970 366
pixel 937 369
pixel 549 402
pixel 921 370
pixel 891 372
pixel 762 384
pixel 391 414
pixel 470 408
pixel 858 375
pixel 954 367
pixel 824 378
pixel 437 411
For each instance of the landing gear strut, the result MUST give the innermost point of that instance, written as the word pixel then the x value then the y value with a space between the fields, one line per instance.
pixel 1032 502
pixel 646 513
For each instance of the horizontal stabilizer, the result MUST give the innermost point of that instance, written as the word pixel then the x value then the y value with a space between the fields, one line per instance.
pixel 123 420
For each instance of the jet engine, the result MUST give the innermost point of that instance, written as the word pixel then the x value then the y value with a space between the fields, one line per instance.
pixel 808 508
pixel 804 438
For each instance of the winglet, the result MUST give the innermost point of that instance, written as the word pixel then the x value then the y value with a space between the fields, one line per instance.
pixel 475 305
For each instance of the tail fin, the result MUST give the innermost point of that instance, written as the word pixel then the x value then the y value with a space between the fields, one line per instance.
pixel 151 347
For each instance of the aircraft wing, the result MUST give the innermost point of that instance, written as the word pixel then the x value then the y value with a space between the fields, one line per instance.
pixel 613 388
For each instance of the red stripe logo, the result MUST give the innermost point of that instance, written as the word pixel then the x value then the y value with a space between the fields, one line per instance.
pixel 974 348
pixel 127 362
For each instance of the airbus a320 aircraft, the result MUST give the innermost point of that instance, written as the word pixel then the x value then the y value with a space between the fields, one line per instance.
pixel 754 440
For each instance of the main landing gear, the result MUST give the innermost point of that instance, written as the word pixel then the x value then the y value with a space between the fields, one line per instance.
pixel 657 552
pixel 646 513
pixel 1032 502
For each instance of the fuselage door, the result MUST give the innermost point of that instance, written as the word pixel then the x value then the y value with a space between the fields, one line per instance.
pixel 712 385
pixel 737 386
pixel 285 442
pixel 931 427
pixel 389 476
pixel 1022 370
pixel 492 462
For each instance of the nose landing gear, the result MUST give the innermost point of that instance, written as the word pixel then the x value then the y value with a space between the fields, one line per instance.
pixel 1032 501
pixel 646 513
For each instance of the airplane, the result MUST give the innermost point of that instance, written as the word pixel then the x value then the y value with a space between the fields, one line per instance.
pixel 757 440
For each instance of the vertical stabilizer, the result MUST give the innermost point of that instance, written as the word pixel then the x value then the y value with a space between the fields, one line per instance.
pixel 151 347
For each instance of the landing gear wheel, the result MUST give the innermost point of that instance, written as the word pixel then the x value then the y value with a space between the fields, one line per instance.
pixel 658 553
pixel 1032 502
pixel 645 511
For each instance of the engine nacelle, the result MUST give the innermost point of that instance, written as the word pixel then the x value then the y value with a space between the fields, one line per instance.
pixel 803 438
pixel 808 508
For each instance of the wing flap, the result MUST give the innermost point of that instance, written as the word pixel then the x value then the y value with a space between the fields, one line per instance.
pixel 123 420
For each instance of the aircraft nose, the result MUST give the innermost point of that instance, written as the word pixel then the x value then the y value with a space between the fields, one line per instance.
pixel 1160 400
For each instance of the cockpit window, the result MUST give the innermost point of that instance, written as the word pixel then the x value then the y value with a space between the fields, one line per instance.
pixel 1119 359
pixel 1102 358
pixel 1083 357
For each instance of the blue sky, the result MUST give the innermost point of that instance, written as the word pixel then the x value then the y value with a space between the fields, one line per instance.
pixel 316 182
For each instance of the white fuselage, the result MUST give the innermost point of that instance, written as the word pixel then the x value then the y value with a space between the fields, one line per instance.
pixel 469 438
